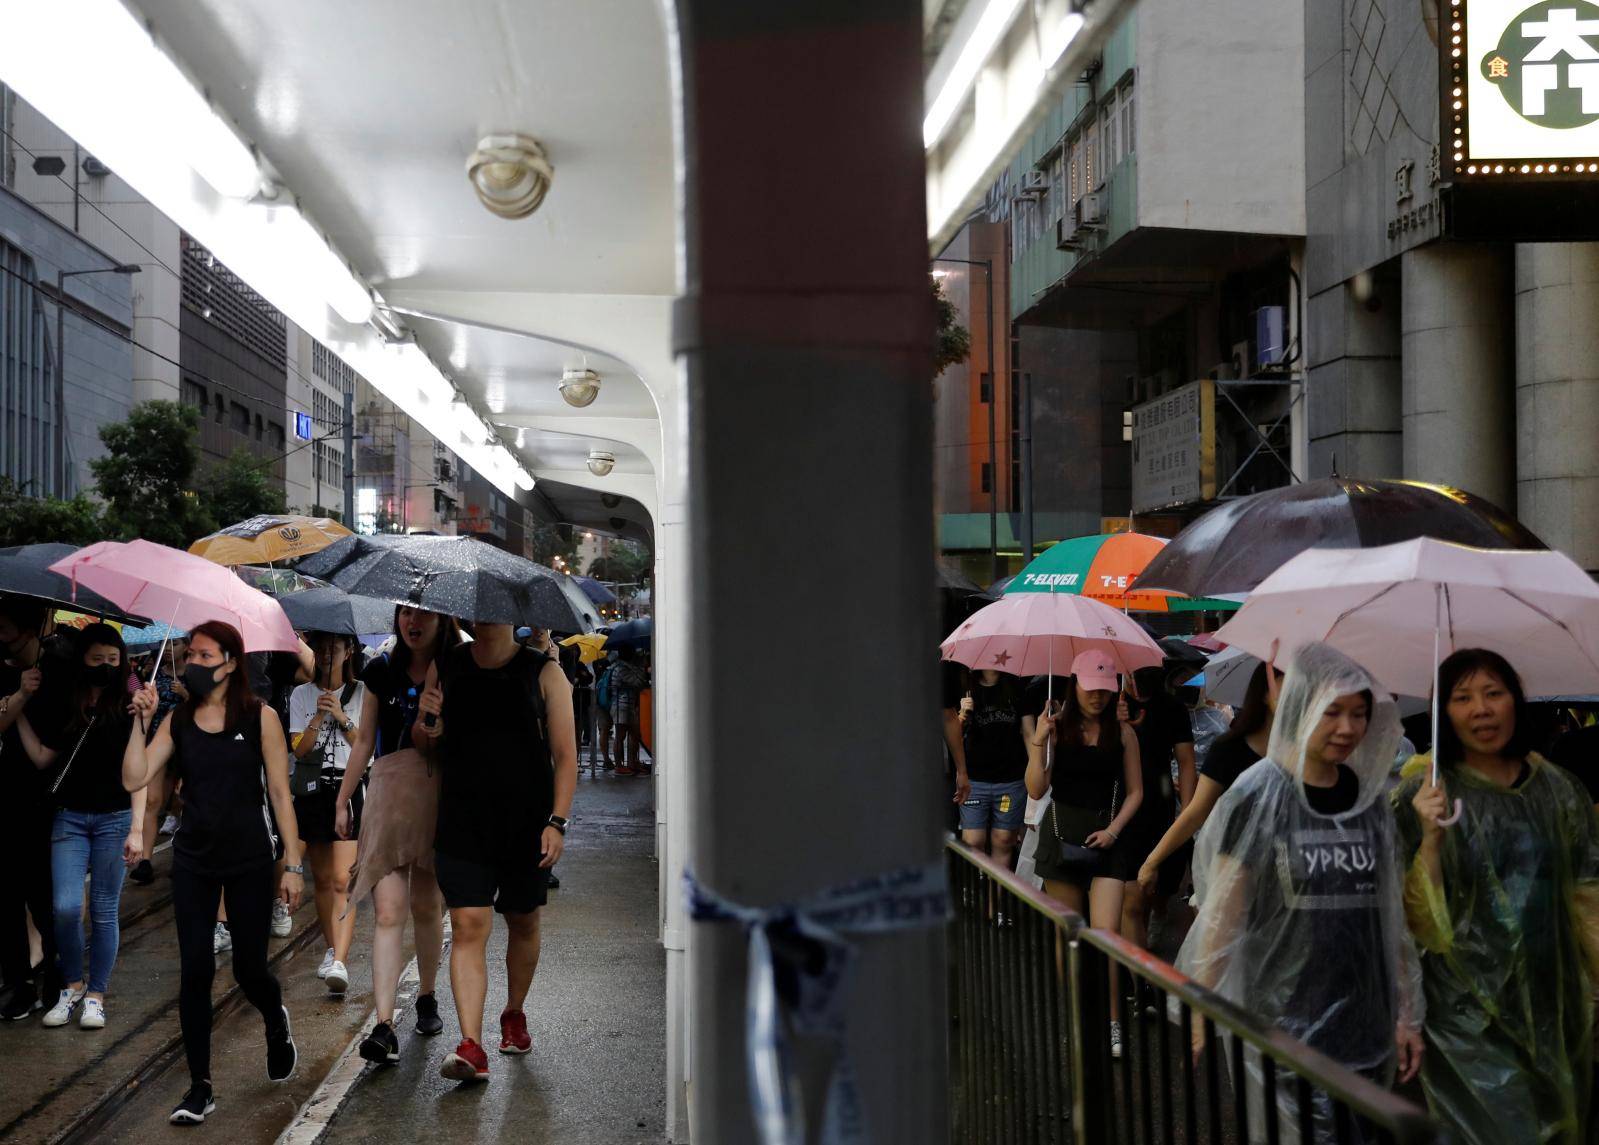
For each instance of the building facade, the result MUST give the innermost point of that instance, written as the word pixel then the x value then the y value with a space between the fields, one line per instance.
pixel 406 481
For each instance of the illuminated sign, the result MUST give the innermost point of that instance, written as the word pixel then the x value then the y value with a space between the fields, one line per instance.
pixel 1520 86
pixel 302 426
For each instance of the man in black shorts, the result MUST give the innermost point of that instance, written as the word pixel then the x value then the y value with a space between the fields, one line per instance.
pixel 502 727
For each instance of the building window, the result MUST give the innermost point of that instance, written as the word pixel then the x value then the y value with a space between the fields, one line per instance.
pixel 221 409
pixel 260 428
pixel 241 419
pixel 277 436
pixel 1128 118
pixel 988 477
pixel 193 394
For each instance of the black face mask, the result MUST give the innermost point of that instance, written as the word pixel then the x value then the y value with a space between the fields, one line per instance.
pixel 199 680
pixel 101 675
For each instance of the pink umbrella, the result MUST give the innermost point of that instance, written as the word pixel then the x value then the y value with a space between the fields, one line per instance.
pixel 181 589
pixel 1030 634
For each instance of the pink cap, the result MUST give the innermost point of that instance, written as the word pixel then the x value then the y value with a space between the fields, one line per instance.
pixel 1095 672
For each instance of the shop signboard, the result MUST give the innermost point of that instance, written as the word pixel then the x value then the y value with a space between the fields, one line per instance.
pixel 1174 448
pixel 1519 90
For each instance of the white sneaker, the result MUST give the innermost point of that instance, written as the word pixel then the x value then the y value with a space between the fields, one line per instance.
pixel 169 825
pixel 61 1013
pixel 221 940
pixel 281 922
pixel 93 1016
pixel 327 964
pixel 1116 1040
pixel 338 978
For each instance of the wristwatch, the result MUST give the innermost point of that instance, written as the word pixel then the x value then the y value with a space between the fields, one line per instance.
pixel 297 870
pixel 348 725
pixel 559 823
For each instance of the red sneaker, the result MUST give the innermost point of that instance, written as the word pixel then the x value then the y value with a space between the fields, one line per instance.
pixel 467 1063
pixel 514 1038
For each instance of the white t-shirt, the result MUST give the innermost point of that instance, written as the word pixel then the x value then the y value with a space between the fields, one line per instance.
pixel 302 712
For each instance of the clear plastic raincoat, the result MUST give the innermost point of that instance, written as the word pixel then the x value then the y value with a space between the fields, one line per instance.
pixel 1507 944
pixel 1301 915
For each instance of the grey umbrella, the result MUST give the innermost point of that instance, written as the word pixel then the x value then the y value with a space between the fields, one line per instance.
pixel 334 610
pixel 25 571
pixel 457 576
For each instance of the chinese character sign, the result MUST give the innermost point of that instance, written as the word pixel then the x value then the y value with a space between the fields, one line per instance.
pixel 1530 76
pixel 1174 448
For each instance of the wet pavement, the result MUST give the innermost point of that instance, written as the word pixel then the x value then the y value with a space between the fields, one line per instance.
pixel 597 1010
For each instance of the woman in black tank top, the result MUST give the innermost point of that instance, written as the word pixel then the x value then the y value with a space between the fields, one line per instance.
pixel 228 750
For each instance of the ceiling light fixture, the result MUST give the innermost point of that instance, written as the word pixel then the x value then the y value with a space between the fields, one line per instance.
pixel 601 462
pixel 510 174
pixel 579 387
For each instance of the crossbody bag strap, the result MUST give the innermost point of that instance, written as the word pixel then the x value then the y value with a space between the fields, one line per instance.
pixel 62 774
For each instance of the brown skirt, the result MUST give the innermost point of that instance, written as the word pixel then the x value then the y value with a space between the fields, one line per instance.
pixel 398 822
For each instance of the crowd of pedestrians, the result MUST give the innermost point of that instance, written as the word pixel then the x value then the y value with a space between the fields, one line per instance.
pixel 1332 894
pixel 433 776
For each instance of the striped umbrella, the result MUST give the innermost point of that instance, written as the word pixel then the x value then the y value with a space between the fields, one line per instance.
pixel 1104 568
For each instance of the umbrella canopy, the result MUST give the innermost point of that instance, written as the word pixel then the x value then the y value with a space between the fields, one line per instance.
pixel 456 576
pixel 590 646
pixel 25 571
pixel 584 607
pixel 1105 567
pixel 1383 606
pixel 1227 676
pixel 277 582
pixel 267 538
pixel 1032 634
pixel 334 610
pixel 594 590
pixel 180 589
pixel 1235 546
pixel 631 634
pixel 150 636
pixel 1180 652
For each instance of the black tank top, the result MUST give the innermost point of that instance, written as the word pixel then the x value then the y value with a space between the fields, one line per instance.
pixel 226 826
pixel 1086 776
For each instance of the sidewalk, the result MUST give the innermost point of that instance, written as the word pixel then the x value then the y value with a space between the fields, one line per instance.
pixel 597 1011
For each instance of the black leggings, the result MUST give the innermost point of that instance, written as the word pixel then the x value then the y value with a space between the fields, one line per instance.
pixel 195 897
pixel 25 856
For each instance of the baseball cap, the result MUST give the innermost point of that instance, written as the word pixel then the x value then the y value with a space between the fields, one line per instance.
pixel 1095 672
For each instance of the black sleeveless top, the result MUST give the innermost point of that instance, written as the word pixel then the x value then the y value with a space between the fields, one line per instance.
pixel 226 826
pixel 1086 776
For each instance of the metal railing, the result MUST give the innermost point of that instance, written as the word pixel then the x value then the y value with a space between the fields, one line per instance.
pixel 1031 986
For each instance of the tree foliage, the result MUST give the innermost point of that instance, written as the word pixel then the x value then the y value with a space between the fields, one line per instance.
pixel 624 562
pixel 26 520
pixel 238 488
pixel 551 541
pixel 954 340
pixel 146 478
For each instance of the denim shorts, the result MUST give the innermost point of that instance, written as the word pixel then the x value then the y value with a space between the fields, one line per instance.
pixel 994 806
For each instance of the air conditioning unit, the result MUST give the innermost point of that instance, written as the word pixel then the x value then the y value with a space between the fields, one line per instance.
pixel 1034 183
pixel 1088 211
pixel 1242 364
pixel 1068 235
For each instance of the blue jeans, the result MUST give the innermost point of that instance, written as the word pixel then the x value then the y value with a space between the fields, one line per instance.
pixel 88 843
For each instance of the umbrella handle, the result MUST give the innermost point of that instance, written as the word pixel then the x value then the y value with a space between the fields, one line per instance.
pixel 1460 809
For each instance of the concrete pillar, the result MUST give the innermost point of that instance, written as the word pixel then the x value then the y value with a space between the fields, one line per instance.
pixel 1353 378
pixel 806 331
pixel 1557 396
pixel 1457 368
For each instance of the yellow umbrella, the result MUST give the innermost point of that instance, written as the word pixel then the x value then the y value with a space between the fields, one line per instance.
pixel 590 646
pixel 268 538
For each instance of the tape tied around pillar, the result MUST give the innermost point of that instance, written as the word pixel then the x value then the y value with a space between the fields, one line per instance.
pixel 799 961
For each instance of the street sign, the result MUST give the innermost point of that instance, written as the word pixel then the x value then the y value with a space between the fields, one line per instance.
pixel 1174 448
pixel 1520 90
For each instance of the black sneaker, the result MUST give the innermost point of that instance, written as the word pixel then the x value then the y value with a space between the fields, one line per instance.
pixel 553 882
pixel 281 1054
pixel 428 1022
pixel 143 873
pixel 23 1003
pixel 381 1045
pixel 196 1105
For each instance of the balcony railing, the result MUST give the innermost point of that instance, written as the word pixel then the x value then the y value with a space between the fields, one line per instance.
pixel 1030 1054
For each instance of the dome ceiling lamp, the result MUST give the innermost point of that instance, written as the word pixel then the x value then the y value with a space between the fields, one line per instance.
pixel 579 387
pixel 510 174
pixel 601 462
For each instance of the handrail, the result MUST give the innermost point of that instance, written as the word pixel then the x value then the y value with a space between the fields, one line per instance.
pixel 1407 1124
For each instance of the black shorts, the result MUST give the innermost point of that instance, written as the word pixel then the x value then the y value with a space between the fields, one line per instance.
pixel 518 887
pixel 316 814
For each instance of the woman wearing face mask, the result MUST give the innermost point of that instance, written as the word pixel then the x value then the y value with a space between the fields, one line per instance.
pixel 1299 890
pixel 1505 907
pixel 1235 752
pixel 227 749
pixel 1087 760
pixel 322 729
pixel 97 832
pixel 395 857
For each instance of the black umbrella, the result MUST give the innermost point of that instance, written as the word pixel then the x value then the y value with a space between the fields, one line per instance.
pixel 334 610
pixel 1179 652
pixel 457 576
pixel 1235 546
pixel 631 634
pixel 25 571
